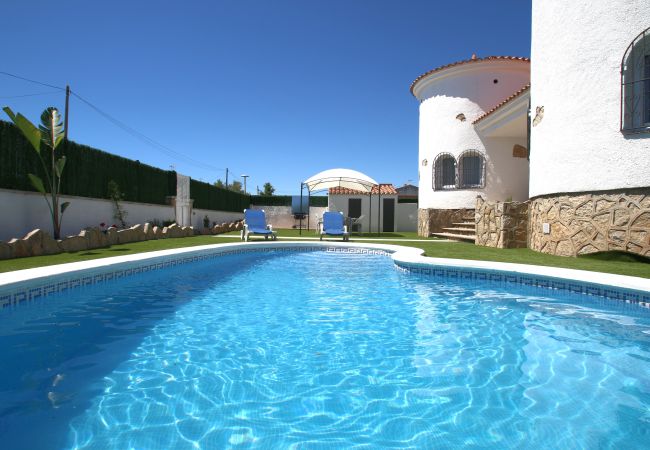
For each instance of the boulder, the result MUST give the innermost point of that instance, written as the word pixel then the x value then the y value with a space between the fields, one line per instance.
pixel 187 231
pixel 33 241
pixel 20 249
pixel 94 238
pixel 238 226
pixel 74 244
pixel 125 236
pixel 111 236
pixel 50 246
pixel 148 231
pixel 138 233
pixel 6 251
pixel 156 232
pixel 164 233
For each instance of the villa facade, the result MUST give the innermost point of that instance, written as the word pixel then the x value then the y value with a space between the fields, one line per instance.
pixel 567 132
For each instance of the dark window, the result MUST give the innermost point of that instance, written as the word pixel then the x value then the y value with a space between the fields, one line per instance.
pixel 444 172
pixel 354 208
pixel 635 85
pixel 470 169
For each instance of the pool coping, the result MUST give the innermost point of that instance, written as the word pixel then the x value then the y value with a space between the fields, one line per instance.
pixel 406 258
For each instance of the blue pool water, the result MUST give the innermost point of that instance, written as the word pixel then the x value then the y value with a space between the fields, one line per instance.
pixel 321 350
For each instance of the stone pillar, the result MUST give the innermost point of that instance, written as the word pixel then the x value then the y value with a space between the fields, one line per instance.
pixel 182 202
pixel 583 223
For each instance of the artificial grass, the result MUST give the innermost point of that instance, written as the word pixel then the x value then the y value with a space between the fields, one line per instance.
pixel 9 265
pixel 610 262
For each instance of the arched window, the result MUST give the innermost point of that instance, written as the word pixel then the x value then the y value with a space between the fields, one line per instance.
pixel 444 172
pixel 635 85
pixel 471 169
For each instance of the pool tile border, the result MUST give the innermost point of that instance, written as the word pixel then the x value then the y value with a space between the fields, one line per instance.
pixel 630 296
pixel 37 283
pixel 26 290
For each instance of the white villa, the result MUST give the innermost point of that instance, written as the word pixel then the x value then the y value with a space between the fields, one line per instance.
pixel 566 131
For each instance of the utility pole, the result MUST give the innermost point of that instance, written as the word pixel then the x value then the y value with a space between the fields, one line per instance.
pixel 67 102
pixel 226 178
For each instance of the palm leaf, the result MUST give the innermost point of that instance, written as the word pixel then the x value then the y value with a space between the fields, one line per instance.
pixel 64 206
pixel 37 183
pixel 26 127
pixel 51 127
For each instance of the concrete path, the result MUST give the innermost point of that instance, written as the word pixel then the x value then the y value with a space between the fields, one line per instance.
pixel 352 239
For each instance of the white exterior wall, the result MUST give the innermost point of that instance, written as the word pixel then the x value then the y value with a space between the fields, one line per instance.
pixel 282 216
pixel 25 211
pixel 339 203
pixel 577 48
pixel 215 216
pixel 506 176
pixel 407 217
pixel 467 89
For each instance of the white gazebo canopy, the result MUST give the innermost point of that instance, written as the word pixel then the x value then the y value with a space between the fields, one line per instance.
pixel 345 178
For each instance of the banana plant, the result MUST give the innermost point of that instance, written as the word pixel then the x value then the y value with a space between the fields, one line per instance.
pixel 48 135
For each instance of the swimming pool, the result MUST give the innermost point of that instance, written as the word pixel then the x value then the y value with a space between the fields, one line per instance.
pixel 321 349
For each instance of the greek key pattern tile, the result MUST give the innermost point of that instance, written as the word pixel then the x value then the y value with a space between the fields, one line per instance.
pixel 574 287
pixel 33 290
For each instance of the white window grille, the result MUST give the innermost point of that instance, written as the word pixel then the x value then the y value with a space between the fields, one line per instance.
pixel 635 85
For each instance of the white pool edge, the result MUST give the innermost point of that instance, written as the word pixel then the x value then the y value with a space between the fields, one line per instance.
pixel 402 256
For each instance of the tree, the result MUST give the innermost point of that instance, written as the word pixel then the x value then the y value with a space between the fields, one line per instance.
pixel 236 186
pixel 116 196
pixel 45 139
pixel 268 190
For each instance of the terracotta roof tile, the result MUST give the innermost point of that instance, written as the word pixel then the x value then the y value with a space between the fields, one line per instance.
pixel 386 189
pixel 467 61
pixel 502 103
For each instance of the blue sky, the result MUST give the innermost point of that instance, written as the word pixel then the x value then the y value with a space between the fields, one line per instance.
pixel 278 90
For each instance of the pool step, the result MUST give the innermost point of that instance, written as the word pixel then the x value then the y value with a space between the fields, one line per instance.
pixel 456 237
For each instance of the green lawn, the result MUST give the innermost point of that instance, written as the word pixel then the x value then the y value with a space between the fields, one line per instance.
pixel 624 264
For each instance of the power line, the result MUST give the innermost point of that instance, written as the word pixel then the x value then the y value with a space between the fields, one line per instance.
pixel 141 136
pixel 32 81
pixel 30 95
pixel 133 132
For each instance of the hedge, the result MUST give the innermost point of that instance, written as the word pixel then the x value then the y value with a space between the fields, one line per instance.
pixel 208 196
pixel 284 200
pixel 87 171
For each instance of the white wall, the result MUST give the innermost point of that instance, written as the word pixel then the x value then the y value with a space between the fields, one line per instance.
pixel 25 211
pixel 467 89
pixel 339 203
pixel 577 48
pixel 407 217
pixel 215 216
pixel 282 217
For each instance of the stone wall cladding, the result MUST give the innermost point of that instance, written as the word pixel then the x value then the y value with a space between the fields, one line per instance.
pixel 434 220
pixel 593 222
pixel 501 224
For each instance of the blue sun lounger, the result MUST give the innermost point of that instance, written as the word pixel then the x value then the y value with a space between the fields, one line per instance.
pixel 255 223
pixel 333 225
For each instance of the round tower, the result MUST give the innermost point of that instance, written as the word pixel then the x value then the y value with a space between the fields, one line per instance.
pixel 457 161
pixel 590 127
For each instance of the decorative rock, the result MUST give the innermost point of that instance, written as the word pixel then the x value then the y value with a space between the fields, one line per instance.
pixel 33 241
pixel 93 238
pixel 148 231
pixel 6 251
pixel 165 233
pixel 20 248
pixel 156 232
pixel 111 236
pixel 137 233
pixel 125 236
pixel 74 244
pixel 501 224
pixel 50 246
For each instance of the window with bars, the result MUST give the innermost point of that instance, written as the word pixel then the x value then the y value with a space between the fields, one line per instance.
pixel 471 169
pixel 635 85
pixel 444 172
